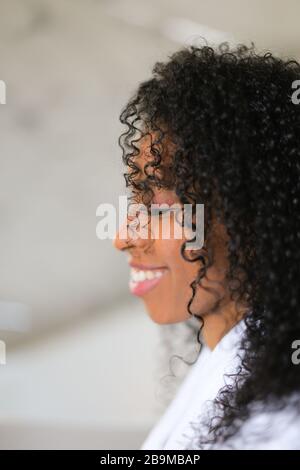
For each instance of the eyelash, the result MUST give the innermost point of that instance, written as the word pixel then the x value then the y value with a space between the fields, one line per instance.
pixel 159 212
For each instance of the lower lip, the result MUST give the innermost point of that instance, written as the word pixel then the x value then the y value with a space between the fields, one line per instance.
pixel 143 287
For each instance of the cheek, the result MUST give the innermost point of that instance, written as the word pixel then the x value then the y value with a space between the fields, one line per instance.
pixel 181 273
pixel 169 250
pixel 178 265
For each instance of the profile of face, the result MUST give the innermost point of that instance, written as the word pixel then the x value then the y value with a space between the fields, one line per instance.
pixel 162 277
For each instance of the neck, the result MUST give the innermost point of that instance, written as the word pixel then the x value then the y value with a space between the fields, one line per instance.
pixel 217 324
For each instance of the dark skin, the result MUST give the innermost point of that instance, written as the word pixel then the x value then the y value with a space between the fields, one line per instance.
pixel 167 301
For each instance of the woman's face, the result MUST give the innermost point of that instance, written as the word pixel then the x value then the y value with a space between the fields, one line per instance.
pixel 160 275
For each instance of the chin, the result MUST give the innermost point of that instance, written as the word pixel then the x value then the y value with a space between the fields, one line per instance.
pixel 161 317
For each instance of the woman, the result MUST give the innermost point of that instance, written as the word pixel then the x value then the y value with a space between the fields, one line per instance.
pixel 219 127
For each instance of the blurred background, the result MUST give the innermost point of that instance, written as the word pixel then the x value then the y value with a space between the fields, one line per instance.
pixel 83 360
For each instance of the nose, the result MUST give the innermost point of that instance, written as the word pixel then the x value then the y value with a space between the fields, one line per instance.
pixel 121 242
pixel 124 238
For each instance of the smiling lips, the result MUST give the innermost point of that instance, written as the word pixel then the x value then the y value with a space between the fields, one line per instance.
pixel 143 280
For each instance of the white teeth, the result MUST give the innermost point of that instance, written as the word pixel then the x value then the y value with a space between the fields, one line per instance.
pixel 158 273
pixel 140 275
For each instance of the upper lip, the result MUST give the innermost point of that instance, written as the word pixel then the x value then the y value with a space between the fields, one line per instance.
pixel 144 267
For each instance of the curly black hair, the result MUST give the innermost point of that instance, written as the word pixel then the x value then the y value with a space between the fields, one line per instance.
pixel 236 146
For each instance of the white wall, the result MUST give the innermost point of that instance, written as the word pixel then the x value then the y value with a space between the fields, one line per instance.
pixel 85 385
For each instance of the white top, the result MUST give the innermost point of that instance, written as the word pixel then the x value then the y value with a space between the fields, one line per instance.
pixel 174 430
